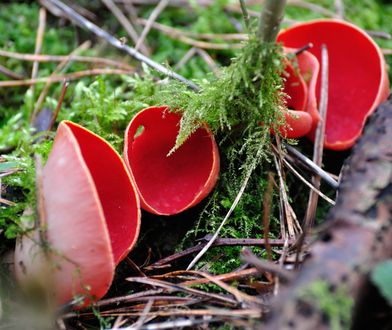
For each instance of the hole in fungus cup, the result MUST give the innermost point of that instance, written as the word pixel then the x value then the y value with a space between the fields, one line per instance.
pixel 168 185
pixel 358 80
pixel 91 217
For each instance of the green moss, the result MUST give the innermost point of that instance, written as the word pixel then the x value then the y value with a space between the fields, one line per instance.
pixel 335 304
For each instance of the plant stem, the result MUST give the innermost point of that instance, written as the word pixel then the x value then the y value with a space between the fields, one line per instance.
pixel 245 13
pixel 270 18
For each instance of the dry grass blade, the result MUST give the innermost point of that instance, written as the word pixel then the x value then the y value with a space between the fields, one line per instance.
pixel 266 214
pixel 88 25
pixel 215 236
pixel 210 61
pixel 313 7
pixel 70 76
pixel 218 242
pixel 7 72
pixel 233 276
pixel 66 58
pixel 153 17
pixel 266 266
pixel 39 40
pixel 319 140
pixel 58 69
pixel 143 316
pixel 181 36
pixel 6 201
pixel 240 296
pixel 311 166
pixel 339 6
pixel 293 226
pixel 188 55
pixel 59 104
pixel 126 24
pixel 299 176
pixel 179 323
pixel 227 313
pixel 174 287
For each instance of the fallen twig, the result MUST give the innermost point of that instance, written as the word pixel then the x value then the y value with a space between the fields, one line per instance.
pixel 266 266
pixel 356 237
pixel 218 242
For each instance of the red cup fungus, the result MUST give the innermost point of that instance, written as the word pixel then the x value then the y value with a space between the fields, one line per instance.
pixel 168 185
pixel 300 86
pixel 91 214
pixel 358 80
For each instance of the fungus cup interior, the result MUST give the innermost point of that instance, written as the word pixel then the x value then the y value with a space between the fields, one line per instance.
pixel 91 215
pixel 298 122
pixel 169 184
pixel 357 77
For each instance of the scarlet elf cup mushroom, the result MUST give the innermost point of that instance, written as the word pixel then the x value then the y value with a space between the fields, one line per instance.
pixel 91 217
pixel 358 80
pixel 169 184
pixel 300 86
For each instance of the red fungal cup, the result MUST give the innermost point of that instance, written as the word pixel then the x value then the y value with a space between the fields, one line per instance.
pixel 168 185
pixel 300 87
pixel 358 80
pixel 91 214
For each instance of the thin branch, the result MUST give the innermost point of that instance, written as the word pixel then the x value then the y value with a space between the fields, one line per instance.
pixel 88 25
pixel 59 104
pixel 319 139
pixel 218 242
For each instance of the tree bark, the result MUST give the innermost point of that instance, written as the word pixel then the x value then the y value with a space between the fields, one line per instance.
pixel 357 235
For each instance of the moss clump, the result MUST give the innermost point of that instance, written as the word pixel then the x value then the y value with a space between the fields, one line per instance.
pixel 335 304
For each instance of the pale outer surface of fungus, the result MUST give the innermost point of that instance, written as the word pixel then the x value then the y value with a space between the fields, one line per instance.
pixel 79 253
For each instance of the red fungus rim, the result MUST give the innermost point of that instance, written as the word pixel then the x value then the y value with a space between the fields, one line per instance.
pixel 213 170
pixel 112 227
pixel 383 86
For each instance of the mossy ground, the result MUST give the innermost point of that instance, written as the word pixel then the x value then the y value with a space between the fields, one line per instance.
pixel 106 104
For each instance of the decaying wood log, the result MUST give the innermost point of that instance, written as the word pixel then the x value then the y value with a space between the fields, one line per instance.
pixel 356 237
